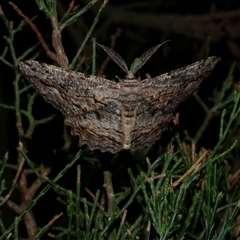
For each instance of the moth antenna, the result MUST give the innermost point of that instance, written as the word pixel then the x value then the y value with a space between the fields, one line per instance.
pixel 118 78
pixel 115 57
pixel 145 56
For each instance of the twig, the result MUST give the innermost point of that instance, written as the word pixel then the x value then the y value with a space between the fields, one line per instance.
pixel 89 192
pixel 27 195
pixel 100 216
pixel 110 193
pixel 54 219
pixel 34 28
pixel 191 169
pixel 155 177
pixel 21 162
pixel 61 57
pixel 71 7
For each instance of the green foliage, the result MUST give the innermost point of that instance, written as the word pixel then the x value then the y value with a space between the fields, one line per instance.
pixel 184 192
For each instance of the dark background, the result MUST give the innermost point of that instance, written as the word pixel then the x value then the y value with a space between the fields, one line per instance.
pixel 189 25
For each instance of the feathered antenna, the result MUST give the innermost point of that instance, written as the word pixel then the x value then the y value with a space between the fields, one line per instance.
pixel 137 64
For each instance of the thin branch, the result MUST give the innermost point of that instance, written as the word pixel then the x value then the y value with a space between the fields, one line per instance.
pixel 191 169
pixel 35 29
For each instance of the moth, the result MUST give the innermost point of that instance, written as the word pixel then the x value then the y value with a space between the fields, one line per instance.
pixel 111 116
